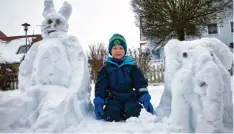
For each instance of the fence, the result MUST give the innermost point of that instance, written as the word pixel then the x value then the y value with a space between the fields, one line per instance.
pixel 9 80
pixel 9 83
pixel 156 73
pixel 8 76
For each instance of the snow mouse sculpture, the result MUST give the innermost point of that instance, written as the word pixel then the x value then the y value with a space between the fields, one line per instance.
pixel 197 94
pixel 54 85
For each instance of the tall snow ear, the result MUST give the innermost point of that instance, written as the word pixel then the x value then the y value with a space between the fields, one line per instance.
pixel 66 10
pixel 48 8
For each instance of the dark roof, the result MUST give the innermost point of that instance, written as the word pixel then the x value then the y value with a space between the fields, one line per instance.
pixel 5 38
pixel 2 34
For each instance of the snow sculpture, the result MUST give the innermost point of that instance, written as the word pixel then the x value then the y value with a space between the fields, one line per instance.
pixel 197 94
pixel 54 85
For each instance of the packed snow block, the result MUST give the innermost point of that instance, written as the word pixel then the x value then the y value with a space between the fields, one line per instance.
pixel 58 111
pixel 197 94
pixel 54 86
pixel 12 106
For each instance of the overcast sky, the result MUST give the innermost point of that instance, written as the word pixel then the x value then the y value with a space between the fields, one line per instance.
pixel 91 21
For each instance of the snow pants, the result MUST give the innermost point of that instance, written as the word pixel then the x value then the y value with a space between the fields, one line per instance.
pixel 121 107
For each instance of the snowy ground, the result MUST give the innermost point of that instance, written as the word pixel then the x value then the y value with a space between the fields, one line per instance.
pixel 144 124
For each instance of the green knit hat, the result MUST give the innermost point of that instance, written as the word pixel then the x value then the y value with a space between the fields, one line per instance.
pixel 117 39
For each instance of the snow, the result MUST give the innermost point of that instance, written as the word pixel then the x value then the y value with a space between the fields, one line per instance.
pixel 58 108
pixel 144 124
pixel 42 109
pixel 55 93
pixel 54 86
pixel 8 50
pixel 198 86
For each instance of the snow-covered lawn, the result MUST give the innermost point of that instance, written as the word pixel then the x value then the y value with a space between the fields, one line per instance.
pixel 144 124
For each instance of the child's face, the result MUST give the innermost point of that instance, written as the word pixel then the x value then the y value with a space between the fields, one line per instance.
pixel 117 51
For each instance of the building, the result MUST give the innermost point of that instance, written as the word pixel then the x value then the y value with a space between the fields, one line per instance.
pixel 223 32
pixel 12 51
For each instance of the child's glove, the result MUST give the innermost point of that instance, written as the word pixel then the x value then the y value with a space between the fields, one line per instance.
pixel 148 106
pixel 99 112
pixel 145 100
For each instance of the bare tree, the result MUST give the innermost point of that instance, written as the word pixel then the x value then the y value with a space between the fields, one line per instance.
pixel 142 58
pixel 96 55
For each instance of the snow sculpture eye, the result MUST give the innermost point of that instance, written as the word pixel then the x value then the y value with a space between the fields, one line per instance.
pixel 49 21
pixel 185 54
pixel 58 21
pixel 211 53
pixel 202 84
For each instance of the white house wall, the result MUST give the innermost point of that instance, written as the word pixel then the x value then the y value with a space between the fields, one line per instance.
pixel 224 31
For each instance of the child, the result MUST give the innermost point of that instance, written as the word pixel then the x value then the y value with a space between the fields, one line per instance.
pixel 115 85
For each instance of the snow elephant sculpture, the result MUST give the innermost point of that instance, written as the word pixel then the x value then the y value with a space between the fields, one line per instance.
pixel 197 94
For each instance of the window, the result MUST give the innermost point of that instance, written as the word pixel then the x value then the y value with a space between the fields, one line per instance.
pixel 231 45
pixel 212 29
pixel 23 49
pixel 231 24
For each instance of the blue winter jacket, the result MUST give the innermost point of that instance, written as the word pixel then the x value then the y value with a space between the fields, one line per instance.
pixel 120 79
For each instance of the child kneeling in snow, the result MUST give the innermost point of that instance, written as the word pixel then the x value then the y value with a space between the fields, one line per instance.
pixel 115 83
